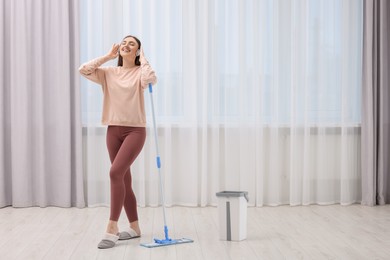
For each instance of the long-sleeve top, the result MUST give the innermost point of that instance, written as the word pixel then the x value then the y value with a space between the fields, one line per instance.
pixel 123 90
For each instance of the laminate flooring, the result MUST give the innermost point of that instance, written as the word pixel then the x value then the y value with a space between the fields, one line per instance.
pixel 284 232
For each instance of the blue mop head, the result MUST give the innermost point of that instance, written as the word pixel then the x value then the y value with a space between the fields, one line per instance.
pixel 167 241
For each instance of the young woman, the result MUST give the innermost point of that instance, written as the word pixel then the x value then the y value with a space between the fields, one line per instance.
pixel 124 113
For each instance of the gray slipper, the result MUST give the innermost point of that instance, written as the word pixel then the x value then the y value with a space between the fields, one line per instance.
pixel 129 233
pixel 108 241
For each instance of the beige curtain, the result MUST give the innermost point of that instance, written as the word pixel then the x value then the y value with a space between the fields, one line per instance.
pixel 40 133
pixel 375 105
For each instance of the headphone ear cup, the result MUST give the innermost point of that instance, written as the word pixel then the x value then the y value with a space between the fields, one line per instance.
pixel 138 52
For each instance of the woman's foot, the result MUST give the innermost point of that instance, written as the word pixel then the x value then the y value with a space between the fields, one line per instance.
pixel 135 226
pixel 131 232
pixel 110 237
pixel 112 227
pixel 108 241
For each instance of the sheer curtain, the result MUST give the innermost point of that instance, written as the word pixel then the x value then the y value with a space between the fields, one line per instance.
pixel 262 96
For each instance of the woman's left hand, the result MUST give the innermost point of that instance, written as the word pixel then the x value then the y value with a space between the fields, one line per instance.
pixel 142 58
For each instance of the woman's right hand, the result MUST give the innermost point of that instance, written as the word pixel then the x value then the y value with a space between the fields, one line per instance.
pixel 113 53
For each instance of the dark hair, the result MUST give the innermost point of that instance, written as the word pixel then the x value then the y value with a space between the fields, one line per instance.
pixel 137 62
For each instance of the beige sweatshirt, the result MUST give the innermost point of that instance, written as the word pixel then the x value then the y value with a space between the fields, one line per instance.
pixel 123 91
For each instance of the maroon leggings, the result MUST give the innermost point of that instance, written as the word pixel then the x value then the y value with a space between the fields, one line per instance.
pixel 124 144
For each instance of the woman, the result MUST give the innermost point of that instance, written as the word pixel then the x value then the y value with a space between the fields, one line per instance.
pixel 124 113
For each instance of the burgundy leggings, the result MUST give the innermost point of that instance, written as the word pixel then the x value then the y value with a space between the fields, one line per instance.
pixel 124 144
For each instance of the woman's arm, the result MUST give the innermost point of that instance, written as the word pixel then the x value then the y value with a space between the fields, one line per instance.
pixel 147 73
pixel 91 69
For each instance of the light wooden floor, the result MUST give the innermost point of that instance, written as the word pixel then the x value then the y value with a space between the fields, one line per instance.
pixel 307 232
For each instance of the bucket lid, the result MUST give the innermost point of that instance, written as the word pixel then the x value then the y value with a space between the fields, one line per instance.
pixel 233 194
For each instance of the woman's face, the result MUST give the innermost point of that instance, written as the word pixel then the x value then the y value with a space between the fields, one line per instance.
pixel 128 47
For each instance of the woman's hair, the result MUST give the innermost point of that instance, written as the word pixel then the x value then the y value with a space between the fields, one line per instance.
pixel 137 62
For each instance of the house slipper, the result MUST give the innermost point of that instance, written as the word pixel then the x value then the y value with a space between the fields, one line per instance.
pixel 128 234
pixel 108 241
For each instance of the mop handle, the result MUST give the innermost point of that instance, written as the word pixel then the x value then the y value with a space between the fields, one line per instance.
pixel 154 127
pixel 158 162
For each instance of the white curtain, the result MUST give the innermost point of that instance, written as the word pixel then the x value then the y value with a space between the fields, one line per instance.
pixel 259 95
pixel 40 133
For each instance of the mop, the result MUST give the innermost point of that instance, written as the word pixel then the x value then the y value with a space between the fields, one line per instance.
pixel 165 241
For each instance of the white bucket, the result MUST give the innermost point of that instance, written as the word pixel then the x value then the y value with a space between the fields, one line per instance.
pixel 232 210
